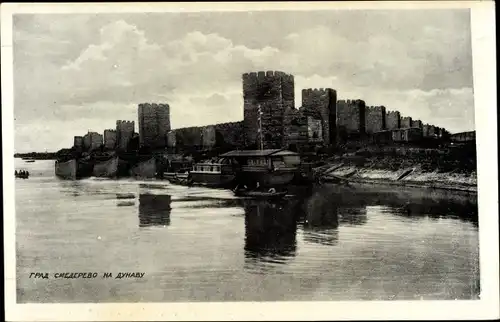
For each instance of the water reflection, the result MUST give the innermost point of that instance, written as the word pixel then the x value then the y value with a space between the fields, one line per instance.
pixel 79 188
pixel 125 203
pixel 407 202
pixel 72 188
pixel 152 186
pixel 321 220
pixel 270 231
pixel 352 216
pixel 154 210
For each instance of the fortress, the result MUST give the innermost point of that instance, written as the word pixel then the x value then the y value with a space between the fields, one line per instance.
pixel 269 93
pixel 322 119
pixel 124 133
pixel 270 120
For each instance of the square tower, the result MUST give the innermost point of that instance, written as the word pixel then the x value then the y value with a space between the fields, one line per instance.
pixel 109 139
pixel 124 133
pixel 351 116
pixel 392 120
pixel 322 102
pixel 154 124
pixel 375 119
pixel 272 93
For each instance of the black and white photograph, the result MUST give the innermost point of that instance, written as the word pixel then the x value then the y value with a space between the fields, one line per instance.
pixel 261 155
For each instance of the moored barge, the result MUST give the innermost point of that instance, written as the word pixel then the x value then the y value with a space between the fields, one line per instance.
pixel 268 168
pixel 212 174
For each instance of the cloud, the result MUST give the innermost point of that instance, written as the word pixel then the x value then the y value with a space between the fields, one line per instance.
pixel 102 72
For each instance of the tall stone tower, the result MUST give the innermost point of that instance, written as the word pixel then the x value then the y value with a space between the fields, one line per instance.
pixel 124 133
pixel 154 124
pixel 375 119
pixel 109 139
pixel 273 93
pixel 323 101
pixel 350 118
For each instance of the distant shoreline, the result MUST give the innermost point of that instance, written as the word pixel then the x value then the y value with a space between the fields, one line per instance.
pixel 36 155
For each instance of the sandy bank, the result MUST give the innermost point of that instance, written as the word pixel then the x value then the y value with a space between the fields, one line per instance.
pixel 411 176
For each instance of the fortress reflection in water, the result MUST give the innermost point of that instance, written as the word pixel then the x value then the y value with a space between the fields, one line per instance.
pixel 154 210
pixel 270 230
pixel 271 227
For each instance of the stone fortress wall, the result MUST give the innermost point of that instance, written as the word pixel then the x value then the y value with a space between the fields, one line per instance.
pixel 322 120
pixel 207 137
pixel 284 125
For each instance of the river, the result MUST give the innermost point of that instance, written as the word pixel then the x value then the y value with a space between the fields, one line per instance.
pixel 198 244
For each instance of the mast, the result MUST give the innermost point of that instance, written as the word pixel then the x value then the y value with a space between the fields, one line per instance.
pixel 259 117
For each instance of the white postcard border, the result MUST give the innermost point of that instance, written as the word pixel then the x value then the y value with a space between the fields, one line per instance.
pixel 484 63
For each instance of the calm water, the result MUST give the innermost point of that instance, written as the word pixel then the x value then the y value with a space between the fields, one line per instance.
pixel 196 244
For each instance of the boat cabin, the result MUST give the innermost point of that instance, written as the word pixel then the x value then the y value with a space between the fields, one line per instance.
pixel 207 167
pixel 219 166
pixel 269 159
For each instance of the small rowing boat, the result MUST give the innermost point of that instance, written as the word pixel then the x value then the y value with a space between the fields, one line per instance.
pixel 22 175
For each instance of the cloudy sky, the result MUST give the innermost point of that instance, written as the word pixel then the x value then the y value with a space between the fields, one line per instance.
pixel 74 73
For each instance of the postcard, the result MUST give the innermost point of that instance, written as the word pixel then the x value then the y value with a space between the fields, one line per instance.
pixel 250 161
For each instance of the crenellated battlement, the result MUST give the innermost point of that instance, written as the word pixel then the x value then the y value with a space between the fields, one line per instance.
pixel 123 122
pixel 376 108
pixel 316 91
pixel 263 75
pixel 353 102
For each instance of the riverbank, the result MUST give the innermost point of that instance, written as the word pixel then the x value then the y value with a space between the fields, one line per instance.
pixel 412 176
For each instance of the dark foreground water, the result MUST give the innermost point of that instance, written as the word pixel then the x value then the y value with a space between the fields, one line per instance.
pixel 196 244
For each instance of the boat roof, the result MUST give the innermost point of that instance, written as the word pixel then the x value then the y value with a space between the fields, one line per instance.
pixel 208 163
pixel 258 153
